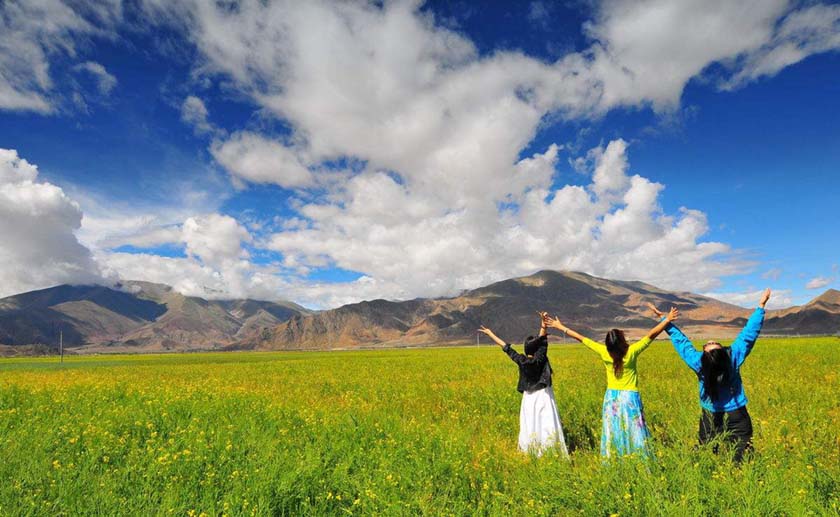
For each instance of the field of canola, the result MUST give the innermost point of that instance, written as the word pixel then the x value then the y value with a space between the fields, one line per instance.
pixel 399 432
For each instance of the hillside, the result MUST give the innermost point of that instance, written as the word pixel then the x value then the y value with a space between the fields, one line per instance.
pixel 590 304
pixel 146 317
pixel 138 316
pixel 819 316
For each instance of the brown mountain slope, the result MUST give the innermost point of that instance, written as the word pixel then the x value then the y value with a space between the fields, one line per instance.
pixel 138 316
pixel 80 313
pixel 144 317
pixel 819 316
pixel 589 304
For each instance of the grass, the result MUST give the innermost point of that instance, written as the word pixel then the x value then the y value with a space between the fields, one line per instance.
pixel 399 432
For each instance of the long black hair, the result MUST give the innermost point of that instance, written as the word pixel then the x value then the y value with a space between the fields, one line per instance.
pixel 617 348
pixel 715 366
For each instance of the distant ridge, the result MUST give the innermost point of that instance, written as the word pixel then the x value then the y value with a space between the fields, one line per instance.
pixel 147 317
pixel 819 316
pixel 590 304
pixel 135 316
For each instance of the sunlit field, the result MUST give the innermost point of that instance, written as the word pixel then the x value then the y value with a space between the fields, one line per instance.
pixel 399 432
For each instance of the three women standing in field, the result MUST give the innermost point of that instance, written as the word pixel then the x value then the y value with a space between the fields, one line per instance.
pixel 624 429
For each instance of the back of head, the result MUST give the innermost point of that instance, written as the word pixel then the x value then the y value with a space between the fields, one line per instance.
pixel 617 348
pixel 715 369
pixel 534 343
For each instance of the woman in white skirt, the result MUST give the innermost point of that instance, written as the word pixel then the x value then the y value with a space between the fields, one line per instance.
pixel 539 423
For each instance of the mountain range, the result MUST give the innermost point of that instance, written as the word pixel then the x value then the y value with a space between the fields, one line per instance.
pixel 134 316
pixel 586 303
pixel 146 317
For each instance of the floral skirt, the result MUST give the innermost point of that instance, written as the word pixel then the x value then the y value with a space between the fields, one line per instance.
pixel 539 423
pixel 624 430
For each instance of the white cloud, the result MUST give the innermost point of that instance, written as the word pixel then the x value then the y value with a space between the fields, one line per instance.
pixel 34 33
pixel 648 51
pixel 37 221
pixel 217 265
pixel 780 299
pixel 139 222
pixel 772 273
pixel 445 203
pixel 194 113
pixel 257 159
pixel 104 80
pixel 215 239
pixel 409 244
pixel 610 170
pixel 237 279
pixel 810 30
pixel 819 282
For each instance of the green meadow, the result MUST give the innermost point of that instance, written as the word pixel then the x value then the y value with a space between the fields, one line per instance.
pixel 399 432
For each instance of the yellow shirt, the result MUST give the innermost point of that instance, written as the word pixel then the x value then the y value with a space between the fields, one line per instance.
pixel 629 380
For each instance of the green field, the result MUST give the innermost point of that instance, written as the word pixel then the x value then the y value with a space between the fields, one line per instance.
pixel 399 432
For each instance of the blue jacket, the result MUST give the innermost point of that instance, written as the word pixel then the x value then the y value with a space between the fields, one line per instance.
pixel 731 396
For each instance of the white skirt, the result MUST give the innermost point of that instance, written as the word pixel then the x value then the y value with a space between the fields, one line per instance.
pixel 539 423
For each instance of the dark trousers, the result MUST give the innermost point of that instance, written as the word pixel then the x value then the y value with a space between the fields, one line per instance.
pixel 736 426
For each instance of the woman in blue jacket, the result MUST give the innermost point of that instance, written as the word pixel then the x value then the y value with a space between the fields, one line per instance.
pixel 718 370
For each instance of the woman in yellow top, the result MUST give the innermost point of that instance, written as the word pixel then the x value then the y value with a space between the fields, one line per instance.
pixel 623 430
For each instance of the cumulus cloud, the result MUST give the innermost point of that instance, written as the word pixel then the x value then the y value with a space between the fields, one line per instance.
pixel 408 244
pixel 648 51
pixel 445 202
pixel 34 33
pixel 257 159
pixel 216 265
pixel 215 239
pixel 236 279
pixel 819 282
pixel 442 199
pixel 108 223
pixel 37 221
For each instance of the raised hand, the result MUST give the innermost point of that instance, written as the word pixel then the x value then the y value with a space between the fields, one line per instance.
pixel 484 330
pixel 673 314
pixel 555 322
pixel 765 296
pixel 656 311
pixel 543 328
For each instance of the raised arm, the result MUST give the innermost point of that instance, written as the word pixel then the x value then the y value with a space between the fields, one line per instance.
pixel 489 333
pixel 543 327
pixel 743 344
pixel 655 331
pixel 557 324
pixel 681 343
pixel 588 343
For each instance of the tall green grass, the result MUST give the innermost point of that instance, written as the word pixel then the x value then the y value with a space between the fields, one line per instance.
pixel 399 432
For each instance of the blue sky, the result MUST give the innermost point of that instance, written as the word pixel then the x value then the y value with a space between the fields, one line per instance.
pixel 332 152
